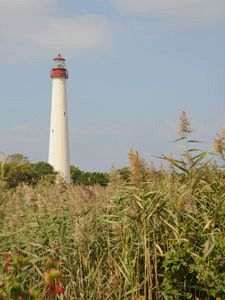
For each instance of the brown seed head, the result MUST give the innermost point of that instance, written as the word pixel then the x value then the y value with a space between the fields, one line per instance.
pixel 219 143
pixel 184 124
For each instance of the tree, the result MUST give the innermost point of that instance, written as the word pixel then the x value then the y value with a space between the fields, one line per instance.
pixel 125 174
pixel 17 158
pixel 75 173
pixel 89 178
pixel 21 173
pixel 26 173
pixel 100 178
pixel 10 160
pixel 43 168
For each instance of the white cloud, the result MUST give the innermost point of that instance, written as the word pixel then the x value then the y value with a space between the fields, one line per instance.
pixel 183 13
pixel 12 3
pixel 29 29
pixel 86 32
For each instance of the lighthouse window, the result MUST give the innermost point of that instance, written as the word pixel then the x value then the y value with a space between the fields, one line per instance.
pixel 64 113
pixel 52 130
pixel 58 64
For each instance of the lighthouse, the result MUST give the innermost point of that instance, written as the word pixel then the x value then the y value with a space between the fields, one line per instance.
pixel 59 139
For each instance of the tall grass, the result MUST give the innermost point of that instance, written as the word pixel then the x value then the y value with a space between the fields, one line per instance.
pixel 161 236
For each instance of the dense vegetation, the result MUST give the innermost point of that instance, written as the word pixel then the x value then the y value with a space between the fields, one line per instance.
pixel 16 169
pixel 146 234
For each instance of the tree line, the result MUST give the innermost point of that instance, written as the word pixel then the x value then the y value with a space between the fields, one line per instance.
pixel 16 168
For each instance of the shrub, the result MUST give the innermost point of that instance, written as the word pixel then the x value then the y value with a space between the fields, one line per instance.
pixel 21 173
pixel 88 178
pixel 75 173
pixel 42 169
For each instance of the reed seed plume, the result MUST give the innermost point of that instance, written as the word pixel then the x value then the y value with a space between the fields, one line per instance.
pixel 171 162
pixel 138 167
pixel 152 166
pixel 184 124
pixel 219 143
pixel 114 176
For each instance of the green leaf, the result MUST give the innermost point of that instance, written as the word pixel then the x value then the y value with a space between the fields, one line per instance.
pixel 180 139
pixel 3 199
pixel 192 150
pixel 180 168
pixel 201 157
pixel 194 141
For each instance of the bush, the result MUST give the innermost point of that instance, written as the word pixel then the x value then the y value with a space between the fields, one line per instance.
pixel 92 179
pixel 125 174
pixel 42 169
pixel 75 173
pixel 21 173
pixel 79 177
pixel 30 174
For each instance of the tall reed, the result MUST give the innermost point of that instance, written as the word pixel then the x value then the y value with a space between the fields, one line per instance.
pixel 158 236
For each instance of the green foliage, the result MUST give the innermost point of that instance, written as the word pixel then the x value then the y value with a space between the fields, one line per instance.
pixel 13 174
pixel 15 285
pixel 2 170
pixel 27 173
pixel 125 174
pixel 5 167
pixel 75 173
pixel 194 163
pixel 17 158
pixel 177 267
pixel 42 169
pixel 21 173
pixel 88 178
pixel 30 174
pixel 79 177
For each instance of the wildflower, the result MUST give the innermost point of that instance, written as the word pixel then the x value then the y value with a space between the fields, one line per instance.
pixel 6 255
pixel 59 289
pixel 6 265
pixel 53 289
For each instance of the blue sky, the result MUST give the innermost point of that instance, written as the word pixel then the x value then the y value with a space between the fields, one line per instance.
pixel 133 66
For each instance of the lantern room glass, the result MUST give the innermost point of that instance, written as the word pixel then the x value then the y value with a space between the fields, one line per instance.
pixel 58 64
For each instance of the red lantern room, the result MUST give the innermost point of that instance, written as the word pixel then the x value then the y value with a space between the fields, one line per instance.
pixel 59 69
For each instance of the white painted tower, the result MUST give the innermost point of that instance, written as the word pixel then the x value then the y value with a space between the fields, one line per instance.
pixel 59 139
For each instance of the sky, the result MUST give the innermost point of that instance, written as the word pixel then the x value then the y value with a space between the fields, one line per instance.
pixel 133 66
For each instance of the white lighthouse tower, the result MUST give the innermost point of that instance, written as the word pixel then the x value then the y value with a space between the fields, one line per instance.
pixel 59 140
